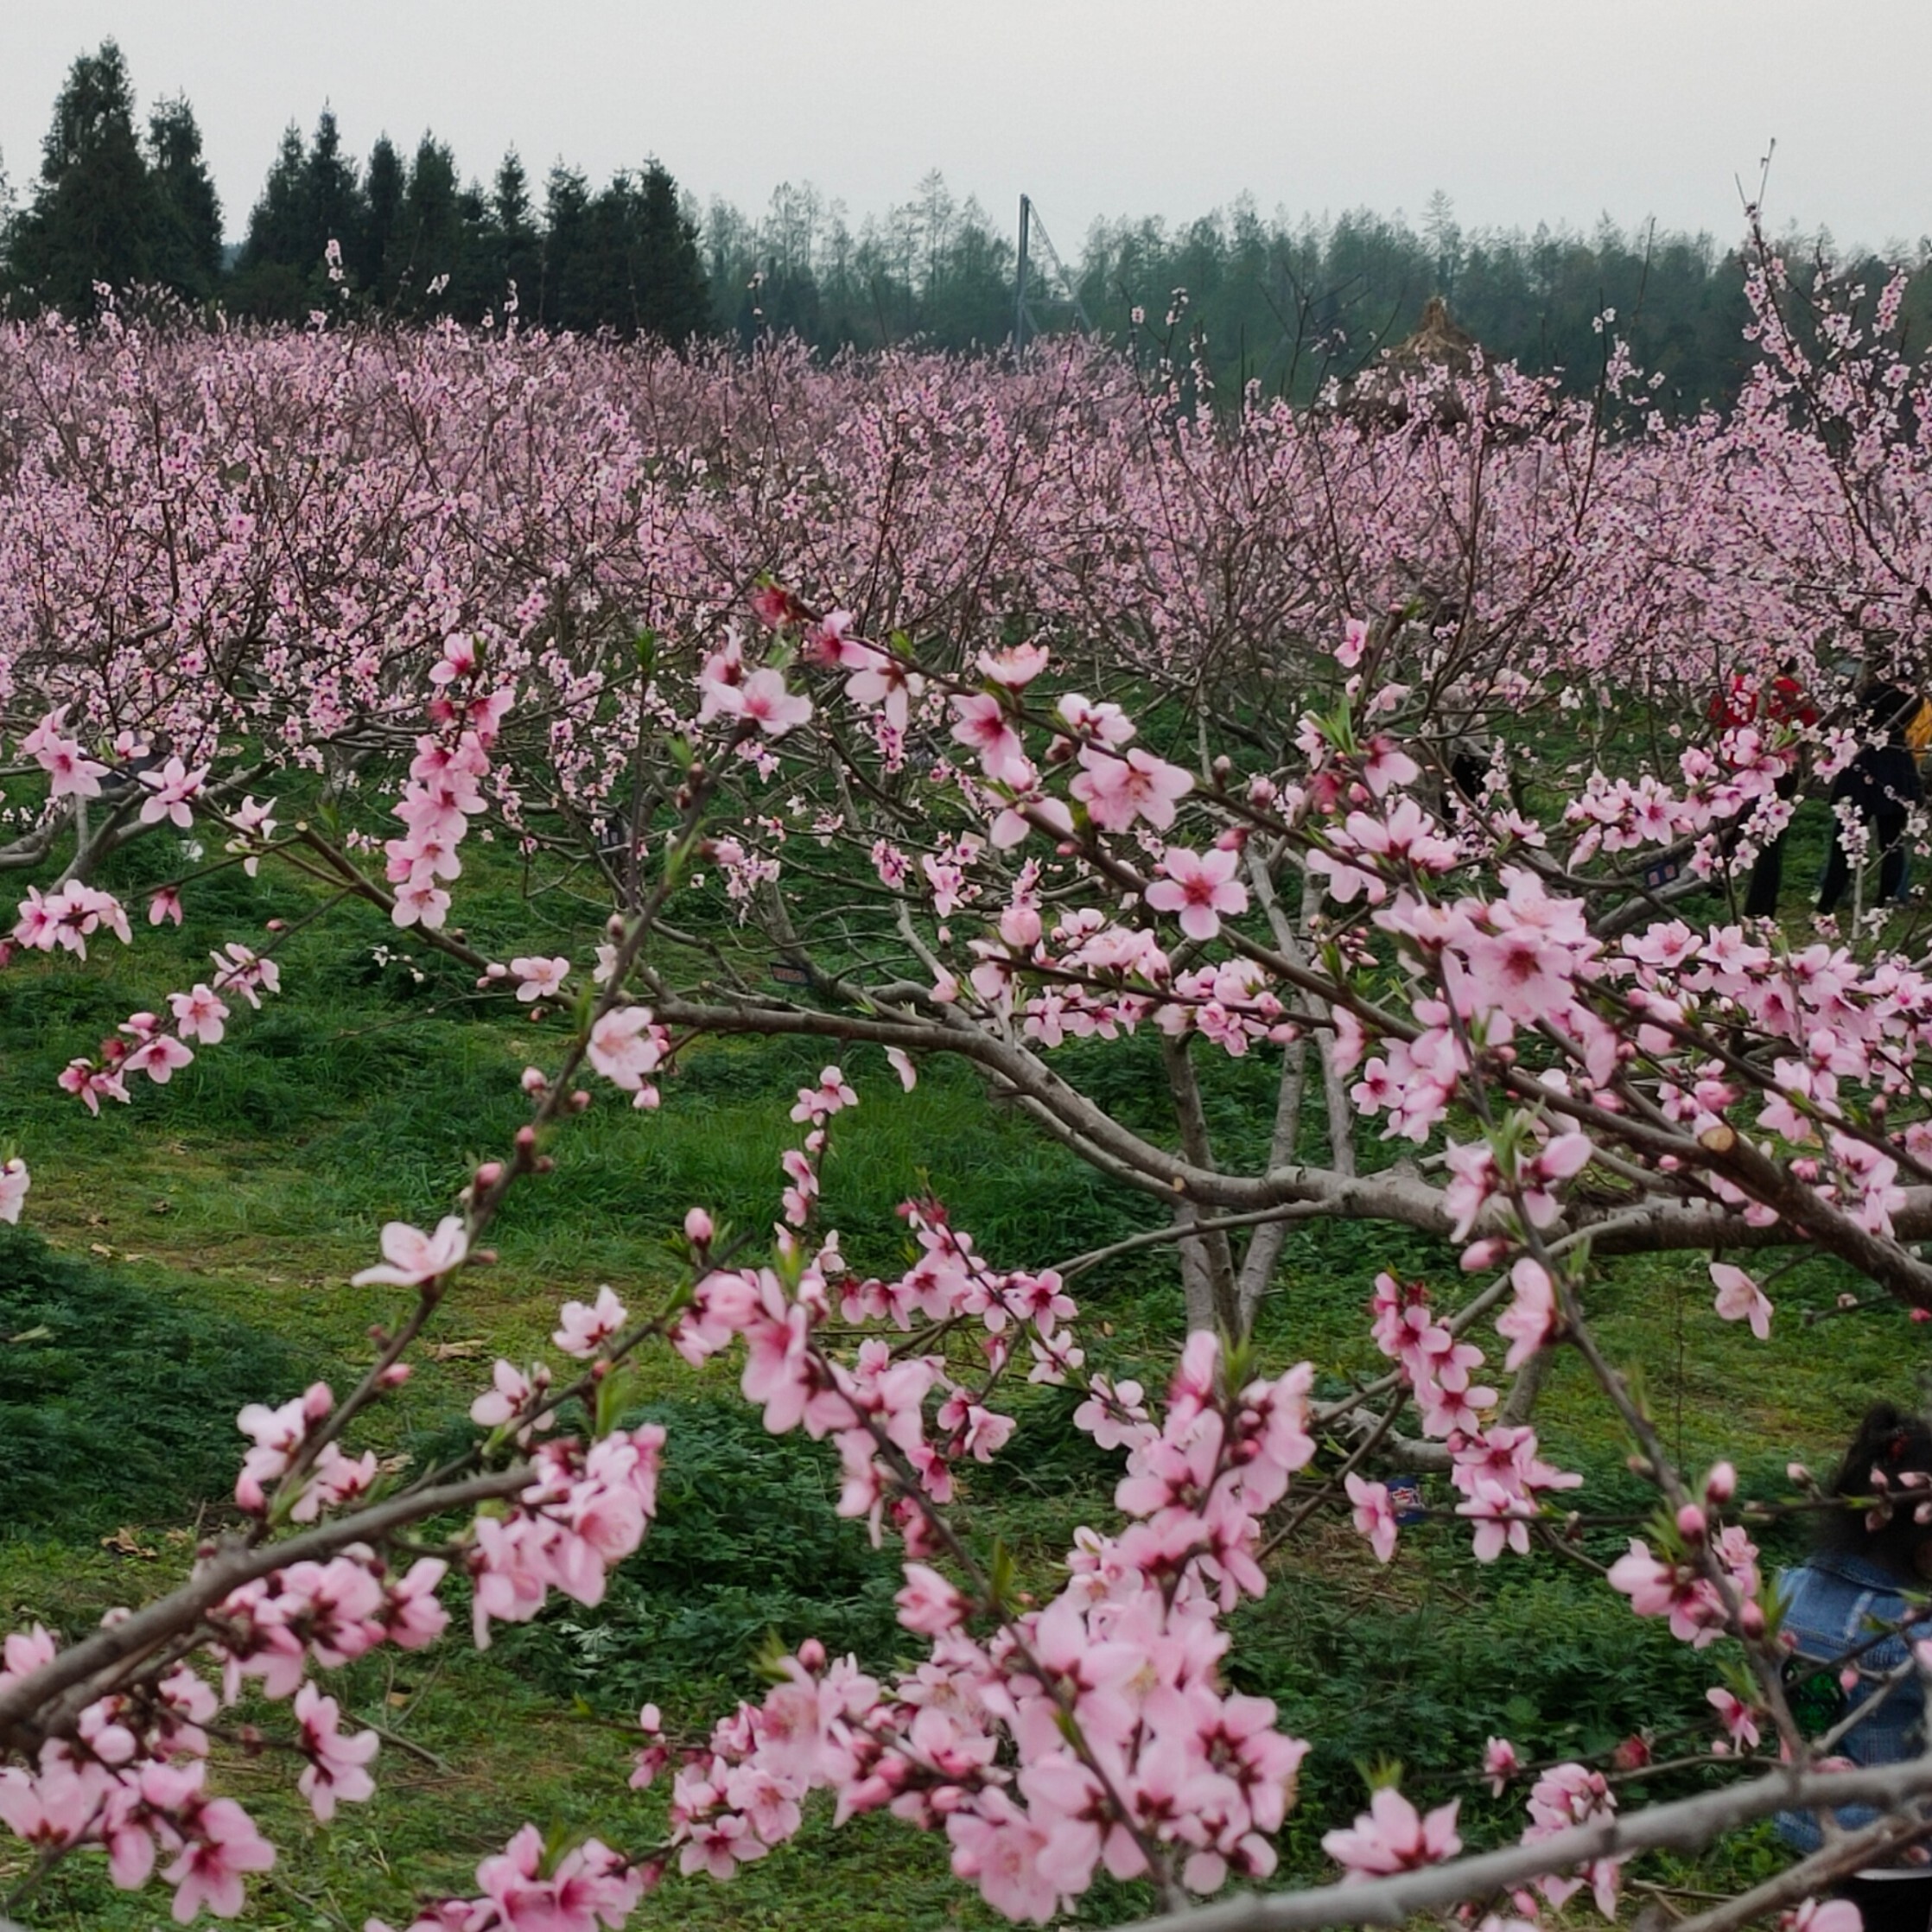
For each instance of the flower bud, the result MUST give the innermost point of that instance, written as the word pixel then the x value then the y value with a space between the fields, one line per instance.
pixel 395 1375
pixel 1751 1620
pixel 1720 1484
pixel 698 1226
pixel 489 1173
pixel 811 1653
pixel 1691 1524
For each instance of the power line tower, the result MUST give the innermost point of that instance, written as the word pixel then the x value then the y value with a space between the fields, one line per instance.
pixel 1033 230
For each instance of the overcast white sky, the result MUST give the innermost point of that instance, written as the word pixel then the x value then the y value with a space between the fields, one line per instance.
pixel 1521 110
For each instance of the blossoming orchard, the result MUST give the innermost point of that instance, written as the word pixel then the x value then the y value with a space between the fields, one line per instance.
pixel 1027 715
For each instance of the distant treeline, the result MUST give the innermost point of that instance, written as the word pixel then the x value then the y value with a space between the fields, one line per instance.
pixel 1274 301
pixel 403 237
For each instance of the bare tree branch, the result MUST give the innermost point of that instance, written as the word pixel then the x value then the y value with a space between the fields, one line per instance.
pixel 1686 1825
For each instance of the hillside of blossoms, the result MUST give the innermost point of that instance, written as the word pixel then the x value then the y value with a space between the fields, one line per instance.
pixel 1346 823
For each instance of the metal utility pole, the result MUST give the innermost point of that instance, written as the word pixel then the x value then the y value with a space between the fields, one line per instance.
pixel 1055 270
pixel 1019 284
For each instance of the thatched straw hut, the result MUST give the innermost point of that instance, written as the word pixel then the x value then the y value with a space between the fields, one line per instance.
pixel 1437 360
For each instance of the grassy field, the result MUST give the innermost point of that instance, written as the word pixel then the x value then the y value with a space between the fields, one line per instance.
pixel 193 1251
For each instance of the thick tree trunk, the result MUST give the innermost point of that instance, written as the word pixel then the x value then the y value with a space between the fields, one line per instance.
pixel 1264 1245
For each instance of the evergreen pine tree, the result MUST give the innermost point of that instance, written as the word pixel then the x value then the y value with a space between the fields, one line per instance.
pixel 97 215
pixel 275 228
pixel 519 237
pixel 188 249
pixel 428 244
pixel 329 198
pixel 673 298
pixel 271 279
pixel 383 187
pixel 311 198
pixel 560 302
pixel 476 280
pixel 605 290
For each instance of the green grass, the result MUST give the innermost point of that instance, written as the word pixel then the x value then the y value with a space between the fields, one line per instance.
pixel 66 1401
pixel 193 1251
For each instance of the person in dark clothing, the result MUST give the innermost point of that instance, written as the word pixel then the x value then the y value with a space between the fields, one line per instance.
pixel 1468 744
pixel 1882 784
pixel 1844 1610
pixel 1767 874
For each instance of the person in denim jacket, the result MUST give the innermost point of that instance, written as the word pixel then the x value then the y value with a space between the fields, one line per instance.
pixel 1844 1609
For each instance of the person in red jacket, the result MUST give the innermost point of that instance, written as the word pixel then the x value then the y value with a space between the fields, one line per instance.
pixel 1742 701
pixel 1781 700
